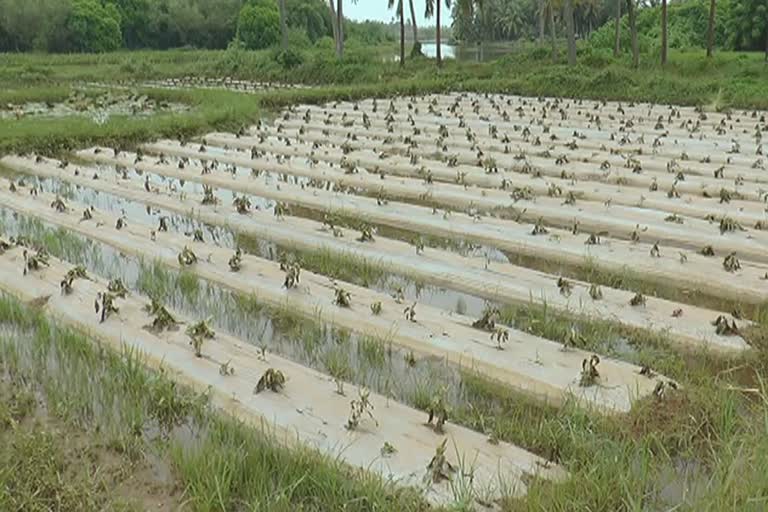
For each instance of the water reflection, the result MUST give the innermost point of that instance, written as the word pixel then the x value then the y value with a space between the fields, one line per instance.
pixel 467 52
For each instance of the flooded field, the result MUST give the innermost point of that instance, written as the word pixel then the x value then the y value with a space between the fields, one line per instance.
pixel 421 260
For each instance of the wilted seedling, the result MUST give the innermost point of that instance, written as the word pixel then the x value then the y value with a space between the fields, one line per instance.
pixel 522 194
pixel 208 196
pixel 359 407
pixel 235 262
pixel 58 205
pixel 272 379
pixel 731 263
pixel 589 374
pixel 565 286
pixel 77 272
pixel 163 225
pixel 388 450
pixel 399 295
pixel 660 391
pixel 595 292
pixel 87 214
pixel 163 320
pixel 439 468
pixel 226 369
pixel 342 297
pixel 677 313
pixel 366 233
pixel 725 327
pixel 637 300
pixel 197 345
pixel 707 250
pixel 117 288
pixel 34 262
pixel 197 235
pixel 646 371
pixel 500 336
pixel 419 243
pixel 201 330
pixel 674 218
pixel 292 274
pixel 727 224
pixel 438 412
pixel 105 305
pixel 487 321
pixel 410 312
pixel 120 223
pixel 281 210
pixel 570 198
pixel 186 257
pixel 539 229
pixel 410 359
pixel 376 308
pixel 655 251
pixel 242 204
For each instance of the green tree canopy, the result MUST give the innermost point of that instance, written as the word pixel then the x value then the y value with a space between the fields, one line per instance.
pixel 258 25
pixel 94 27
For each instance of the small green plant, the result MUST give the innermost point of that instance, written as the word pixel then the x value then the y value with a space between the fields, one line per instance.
pixel 226 369
pixel 117 288
pixel 438 412
pixel 595 292
pixel 637 300
pixel 163 320
pixel 439 468
pixel 201 330
pixel 358 408
pixel 387 450
pixel 281 210
pixel 271 379
pixel 376 308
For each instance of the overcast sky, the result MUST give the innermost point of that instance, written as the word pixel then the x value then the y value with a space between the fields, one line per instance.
pixel 377 10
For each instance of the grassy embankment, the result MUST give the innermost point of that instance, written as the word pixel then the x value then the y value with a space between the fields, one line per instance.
pixel 727 80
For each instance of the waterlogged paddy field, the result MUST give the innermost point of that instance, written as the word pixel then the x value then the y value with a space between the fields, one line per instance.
pixel 575 288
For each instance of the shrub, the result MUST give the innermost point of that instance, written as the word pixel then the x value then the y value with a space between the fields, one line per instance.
pixel 258 26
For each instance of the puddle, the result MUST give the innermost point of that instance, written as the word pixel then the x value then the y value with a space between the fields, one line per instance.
pixel 362 360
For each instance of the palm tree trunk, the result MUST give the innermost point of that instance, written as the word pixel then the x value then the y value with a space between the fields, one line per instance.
pixel 617 44
pixel 340 23
pixel 632 13
pixel 552 31
pixel 439 54
pixel 542 21
pixel 335 27
pixel 766 44
pixel 402 33
pixel 568 13
pixel 283 24
pixel 413 22
pixel 711 28
pixel 664 32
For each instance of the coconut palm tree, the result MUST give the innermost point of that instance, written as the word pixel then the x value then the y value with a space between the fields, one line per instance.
pixel 433 8
pixel 570 32
pixel 401 14
pixel 416 46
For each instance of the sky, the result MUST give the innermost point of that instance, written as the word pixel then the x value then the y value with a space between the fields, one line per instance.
pixel 377 10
